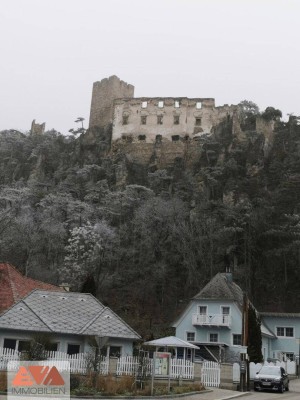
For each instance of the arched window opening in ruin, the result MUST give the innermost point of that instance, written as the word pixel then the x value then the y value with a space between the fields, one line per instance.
pixel 142 137
pixel 160 104
pixel 176 104
pixel 175 138
pixel 144 104
pixel 158 138
pixel 125 119
pixel 198 105
pixel 144 119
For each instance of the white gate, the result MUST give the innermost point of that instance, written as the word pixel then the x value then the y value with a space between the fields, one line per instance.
pixel 211 374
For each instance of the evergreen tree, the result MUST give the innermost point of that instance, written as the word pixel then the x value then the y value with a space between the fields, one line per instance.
pixel 254 336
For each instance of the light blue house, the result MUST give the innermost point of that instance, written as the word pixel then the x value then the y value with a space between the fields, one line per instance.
pixel 286 340
pixel 73 322
pixel 213 321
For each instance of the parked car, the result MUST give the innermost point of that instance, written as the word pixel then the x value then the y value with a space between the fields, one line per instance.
pixel 271 378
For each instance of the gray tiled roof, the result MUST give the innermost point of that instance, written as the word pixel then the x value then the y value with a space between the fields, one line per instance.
pixel 67 312
pixel 279 314
pixel 221 287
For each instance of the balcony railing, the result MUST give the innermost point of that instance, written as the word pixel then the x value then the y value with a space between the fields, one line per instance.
pixel 212 320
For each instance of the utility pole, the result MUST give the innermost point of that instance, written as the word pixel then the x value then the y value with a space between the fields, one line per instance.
pixel 244 365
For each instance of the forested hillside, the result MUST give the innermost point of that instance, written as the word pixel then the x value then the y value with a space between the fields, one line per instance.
pixel 148 246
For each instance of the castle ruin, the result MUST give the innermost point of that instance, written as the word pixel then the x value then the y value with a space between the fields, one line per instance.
pixel 150 120
pixel 159 132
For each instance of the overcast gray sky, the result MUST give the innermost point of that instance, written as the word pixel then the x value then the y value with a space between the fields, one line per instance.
pixel 53 50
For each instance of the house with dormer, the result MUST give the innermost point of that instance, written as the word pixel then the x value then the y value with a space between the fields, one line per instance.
pixel 213 321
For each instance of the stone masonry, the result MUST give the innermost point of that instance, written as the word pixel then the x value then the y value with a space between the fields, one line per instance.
pixel 37 129
pixel 104 94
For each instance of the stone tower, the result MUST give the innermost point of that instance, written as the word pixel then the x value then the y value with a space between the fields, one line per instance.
pixel 37 129
pixel 104 94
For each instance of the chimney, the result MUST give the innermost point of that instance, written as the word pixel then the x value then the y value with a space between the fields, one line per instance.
pixel 228 274
pixel 65 286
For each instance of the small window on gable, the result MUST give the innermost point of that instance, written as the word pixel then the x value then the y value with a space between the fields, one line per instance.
pixel 160 104
pixel 176 104
pixel 160 119
pixel 190 336
pixel 176 119
pixel 125 120
pixel 142 137
pixel 213 338
pixel 144 119
pixel 202 310
pixel 198 105
pixel 144 104
pixel 198 121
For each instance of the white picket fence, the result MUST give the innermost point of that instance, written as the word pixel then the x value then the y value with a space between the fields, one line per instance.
pixel 289 366
pixel 211 374
pixel 7 355
pixel 76 363
pixel 182 368
pixel 130 366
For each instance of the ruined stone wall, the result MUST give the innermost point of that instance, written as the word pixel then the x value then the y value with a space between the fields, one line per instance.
pixel 103 96
pixel 146 119
pixel 37 129
pixel 266 128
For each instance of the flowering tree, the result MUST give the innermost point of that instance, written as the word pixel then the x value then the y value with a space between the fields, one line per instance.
pixel 89 253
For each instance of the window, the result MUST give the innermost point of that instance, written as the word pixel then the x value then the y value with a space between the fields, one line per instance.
pixel 225 310
pixel 24 345
pixel 144 119
pixel 176 104
pixel 213 337
pixel 285 331
pixel 159 119
pixel 115 351
pixel 176 119
pixel 190 336
pixel 290 356
pixel 73 349
pixel 237 339
pixel 52 347
pixel 125 120
pixel 289 332
pixel 10 344
pixel 225 314
pixel 158 138
pixel 142 137
pixel 202 310
pixel 198 122
pixel 175 138
pixel 198 105
pixel 144 104
pixel 160 104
